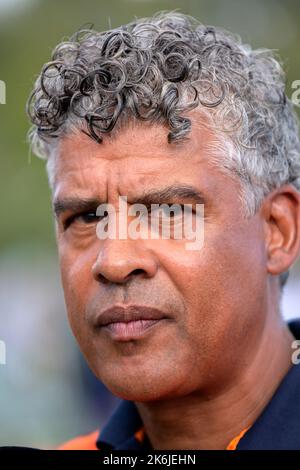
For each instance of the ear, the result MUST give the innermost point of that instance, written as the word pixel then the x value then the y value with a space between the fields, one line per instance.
pixel 281 211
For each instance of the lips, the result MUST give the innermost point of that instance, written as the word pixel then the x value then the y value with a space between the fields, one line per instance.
pixel 130 322
pixel 123 331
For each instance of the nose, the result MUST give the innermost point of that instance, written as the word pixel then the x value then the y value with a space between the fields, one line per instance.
pixel 118 261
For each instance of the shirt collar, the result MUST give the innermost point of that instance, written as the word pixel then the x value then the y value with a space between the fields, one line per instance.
pixel 278 427
pixel 119 432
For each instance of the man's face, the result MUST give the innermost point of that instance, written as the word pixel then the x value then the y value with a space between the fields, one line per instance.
pixel 213 299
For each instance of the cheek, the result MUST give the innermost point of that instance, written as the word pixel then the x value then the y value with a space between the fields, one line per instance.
pixel 231 261
pixel 77 281
pixel 217 284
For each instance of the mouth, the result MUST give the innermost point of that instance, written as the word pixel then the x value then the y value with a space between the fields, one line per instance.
pixel 130 322
pixel 125 331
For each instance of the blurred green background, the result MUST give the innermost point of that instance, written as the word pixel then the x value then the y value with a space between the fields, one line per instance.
pixel 46 394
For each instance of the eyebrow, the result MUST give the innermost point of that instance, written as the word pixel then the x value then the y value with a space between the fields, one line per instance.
pixel 74 204
pixel 173 192
pixel 154 196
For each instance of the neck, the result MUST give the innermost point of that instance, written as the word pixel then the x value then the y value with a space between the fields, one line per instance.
pixel 204 421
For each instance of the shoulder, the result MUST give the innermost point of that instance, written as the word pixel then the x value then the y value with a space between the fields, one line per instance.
pixel 85 442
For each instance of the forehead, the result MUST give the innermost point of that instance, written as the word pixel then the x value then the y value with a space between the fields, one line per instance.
pixel 137 156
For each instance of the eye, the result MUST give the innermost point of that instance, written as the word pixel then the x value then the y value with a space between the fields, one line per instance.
pixel 86 218
pixel 170 210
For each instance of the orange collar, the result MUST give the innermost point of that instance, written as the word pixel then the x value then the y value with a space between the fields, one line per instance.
pixel 140 435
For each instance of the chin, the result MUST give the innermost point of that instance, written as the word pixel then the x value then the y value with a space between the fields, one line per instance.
pixel 142 386
pixel 141 395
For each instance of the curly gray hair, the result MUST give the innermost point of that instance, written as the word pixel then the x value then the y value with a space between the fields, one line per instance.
pixel 158 69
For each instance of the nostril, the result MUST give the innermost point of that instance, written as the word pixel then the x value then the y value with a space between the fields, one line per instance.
pixel 102 279
pixel 133 273
pixel 138 271
pixel 106 280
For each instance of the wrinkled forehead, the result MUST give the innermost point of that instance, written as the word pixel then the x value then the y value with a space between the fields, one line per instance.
pixel 140 163
pixel 139 149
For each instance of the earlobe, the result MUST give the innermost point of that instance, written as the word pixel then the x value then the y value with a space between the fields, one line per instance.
pixel 282 218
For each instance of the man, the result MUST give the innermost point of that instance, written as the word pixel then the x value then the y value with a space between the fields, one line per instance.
pixel 168 111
